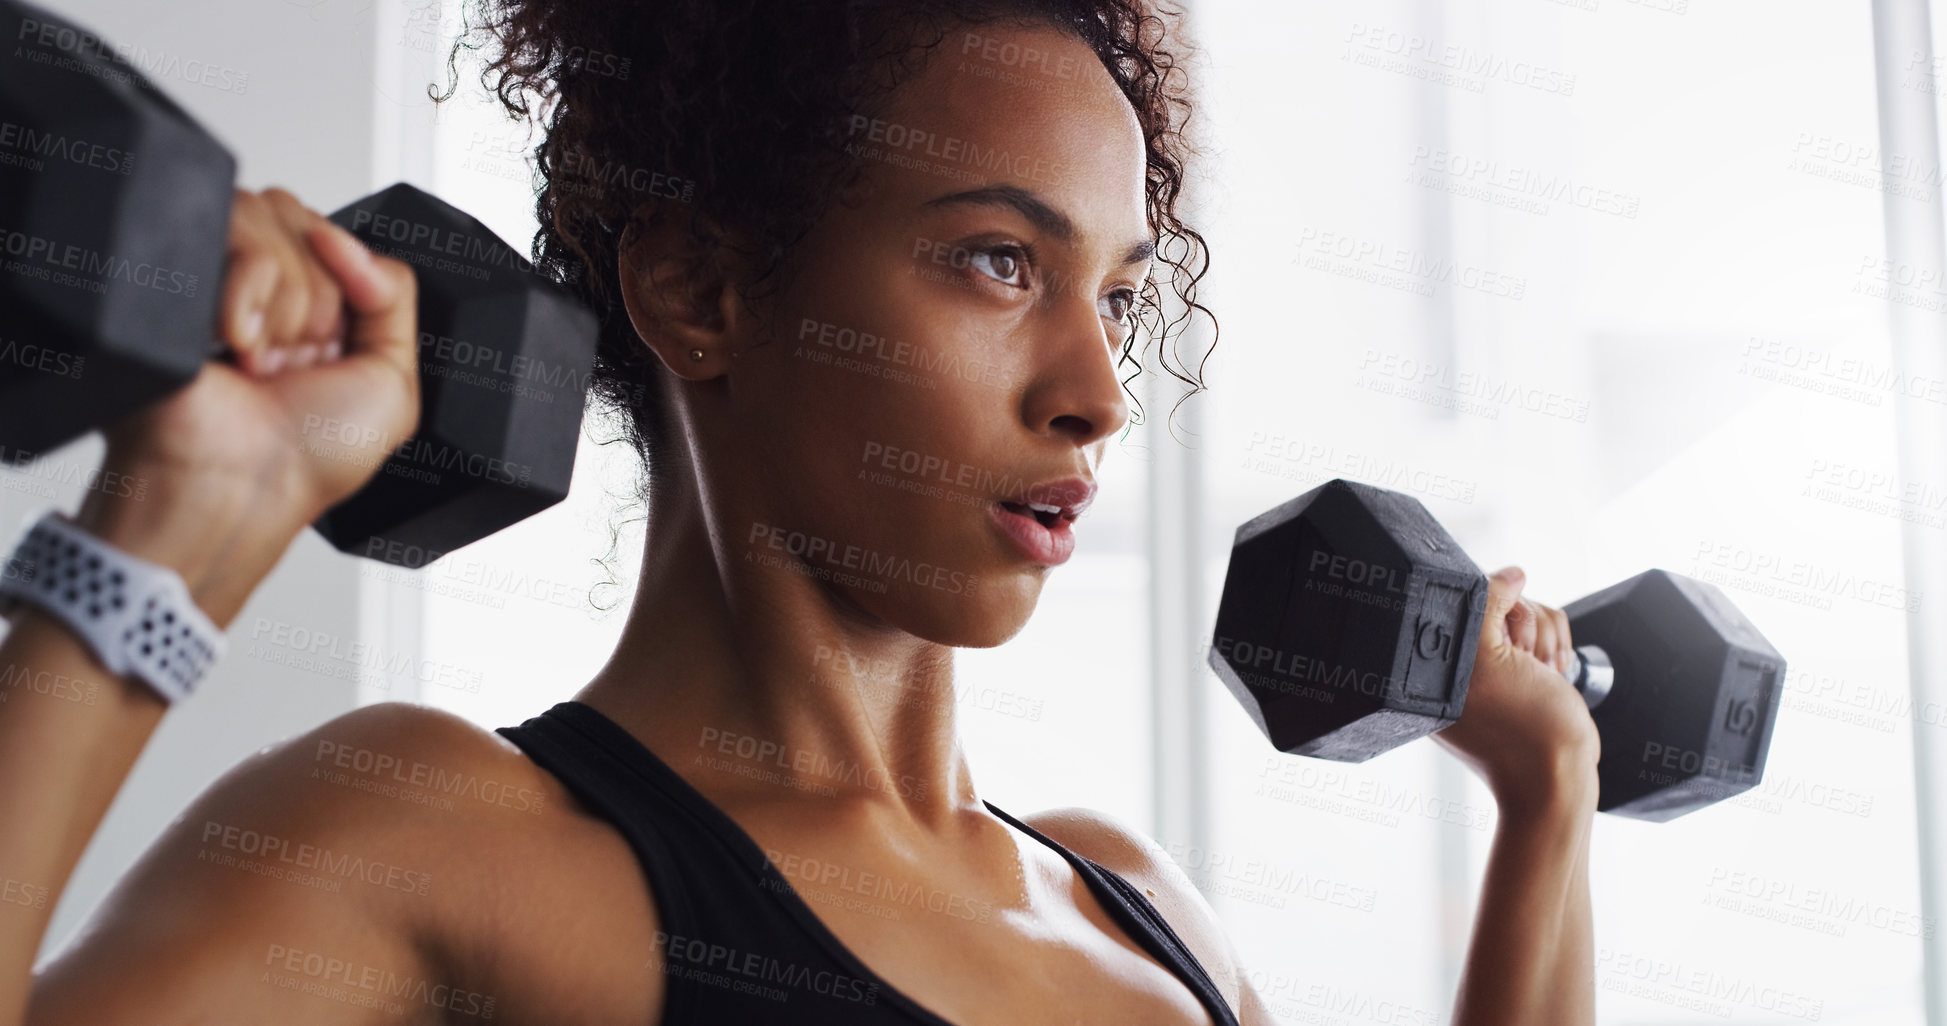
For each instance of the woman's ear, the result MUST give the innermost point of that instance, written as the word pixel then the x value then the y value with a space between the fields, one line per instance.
pixel 679 294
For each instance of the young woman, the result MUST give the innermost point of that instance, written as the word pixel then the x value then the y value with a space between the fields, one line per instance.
pixel 758 811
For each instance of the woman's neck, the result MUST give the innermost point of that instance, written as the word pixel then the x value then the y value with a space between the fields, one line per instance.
pixel 775 682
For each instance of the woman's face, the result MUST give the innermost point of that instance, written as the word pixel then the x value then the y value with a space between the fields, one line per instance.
pixel 947 340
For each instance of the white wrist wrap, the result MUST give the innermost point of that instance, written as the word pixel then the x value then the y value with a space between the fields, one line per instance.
pixel 136 616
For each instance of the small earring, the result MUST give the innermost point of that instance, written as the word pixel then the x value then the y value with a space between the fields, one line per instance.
pixel 696 354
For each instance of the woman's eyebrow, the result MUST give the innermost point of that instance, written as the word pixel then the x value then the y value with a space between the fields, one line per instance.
pixel 1038 212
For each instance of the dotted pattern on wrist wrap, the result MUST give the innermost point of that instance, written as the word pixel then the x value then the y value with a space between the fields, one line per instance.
pixel 137 616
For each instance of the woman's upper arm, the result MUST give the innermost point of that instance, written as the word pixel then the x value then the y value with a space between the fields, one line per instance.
pixel 279 896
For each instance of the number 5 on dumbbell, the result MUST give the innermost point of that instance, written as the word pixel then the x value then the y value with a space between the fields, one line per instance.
pixel 110 275
pixel 1348 626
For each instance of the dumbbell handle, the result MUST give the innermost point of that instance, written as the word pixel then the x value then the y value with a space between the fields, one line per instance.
pixel 1592 674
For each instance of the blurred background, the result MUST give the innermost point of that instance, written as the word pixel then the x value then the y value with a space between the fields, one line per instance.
pixel 1606 284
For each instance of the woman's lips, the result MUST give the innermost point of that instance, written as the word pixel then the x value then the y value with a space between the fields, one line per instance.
pixel 1049 546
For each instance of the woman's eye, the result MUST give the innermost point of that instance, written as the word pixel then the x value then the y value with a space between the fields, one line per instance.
pixel 1001 263
pixel 1117 304
pixel 1008 264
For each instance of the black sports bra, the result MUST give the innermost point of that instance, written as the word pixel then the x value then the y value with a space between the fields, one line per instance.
pixel 739 945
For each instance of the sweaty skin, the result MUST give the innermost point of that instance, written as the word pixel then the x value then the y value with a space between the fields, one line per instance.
pixel 545 909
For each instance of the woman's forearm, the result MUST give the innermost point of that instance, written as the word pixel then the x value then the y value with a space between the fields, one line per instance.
pixel 71 730
pixel 69 733
pixel 1532 956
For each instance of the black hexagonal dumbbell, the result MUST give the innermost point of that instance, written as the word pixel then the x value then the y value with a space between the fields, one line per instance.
pixel 504 359
pixel 114 222
pixel 1348 626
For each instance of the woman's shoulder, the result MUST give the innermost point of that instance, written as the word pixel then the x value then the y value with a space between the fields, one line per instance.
pixel 1103 838
pixel 526 872
pixel 407 744
pixel 393 839
pixel 1140 860
pixel 392 765
pixel 460 801
pixel 462 793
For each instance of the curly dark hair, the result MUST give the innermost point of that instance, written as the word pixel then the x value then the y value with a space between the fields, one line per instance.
pixel 732 112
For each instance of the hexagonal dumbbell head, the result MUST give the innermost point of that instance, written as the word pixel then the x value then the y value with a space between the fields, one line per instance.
pixel 114 223
pixel 1697 690
pixel 1348 622
pixel 504 360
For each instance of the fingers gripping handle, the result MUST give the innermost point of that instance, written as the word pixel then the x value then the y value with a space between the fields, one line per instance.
pixel 1592 674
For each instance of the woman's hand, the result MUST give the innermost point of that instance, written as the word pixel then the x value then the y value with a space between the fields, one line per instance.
pixel 325 385
pixel 1525 729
